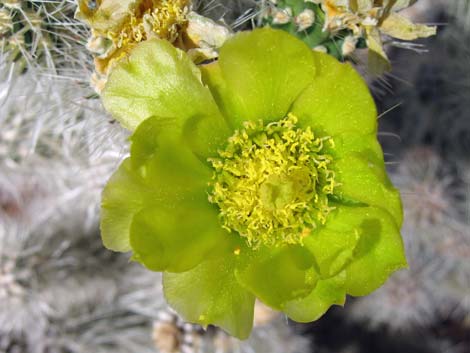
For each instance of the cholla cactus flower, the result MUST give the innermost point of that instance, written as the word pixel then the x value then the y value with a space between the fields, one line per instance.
pixel 370 19
pixel 117 26
pixel 256 176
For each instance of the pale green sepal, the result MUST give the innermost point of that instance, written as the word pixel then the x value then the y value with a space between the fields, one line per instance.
pixel 210 294
pixel 327 292
pixel 261 74
pixel 337 101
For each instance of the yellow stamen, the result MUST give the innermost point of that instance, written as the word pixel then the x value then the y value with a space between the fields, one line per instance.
pixel 272 182
pixel 162 18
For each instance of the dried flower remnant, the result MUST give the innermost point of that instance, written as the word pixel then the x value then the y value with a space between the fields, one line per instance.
pixel 370 19
pixel 204 37
pixel 117 26
pixel 341 26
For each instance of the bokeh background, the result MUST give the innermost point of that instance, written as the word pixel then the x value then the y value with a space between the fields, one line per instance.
pixel 62 292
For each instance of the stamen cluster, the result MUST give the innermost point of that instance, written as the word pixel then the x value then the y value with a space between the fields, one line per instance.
pixel 272 182
pixel 164 18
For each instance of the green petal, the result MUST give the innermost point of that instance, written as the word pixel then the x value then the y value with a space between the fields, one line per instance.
pixel 279 275
pixel 210 294
pixel 259 75
pixel 353 142
pixel 178 225
pixel 176 239
pixel 122 198
pixel 326 293
pixel 161 170
pixel 333 246
pixel 379 251
pixel 167 163
pixel 160 80
pixel 364 179
pixel 337 101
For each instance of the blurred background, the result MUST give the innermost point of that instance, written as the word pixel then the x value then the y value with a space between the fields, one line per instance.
pixel 62 292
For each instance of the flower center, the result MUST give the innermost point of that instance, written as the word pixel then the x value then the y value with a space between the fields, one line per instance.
pixel 272 182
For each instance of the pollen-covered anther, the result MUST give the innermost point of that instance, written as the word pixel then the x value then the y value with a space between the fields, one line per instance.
pixel 162 18
pixel 272 182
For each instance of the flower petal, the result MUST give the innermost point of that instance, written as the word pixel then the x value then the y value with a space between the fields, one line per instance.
pixel 379 252
pixel 121 199
pixel 160 80
pixel 177 238
pixel 352 142
pixel 157 133
pixel 333 246
pixel 278 275
pixel 259 75
pixel 166 162
pixel 363 179
pixel 376 253
pixel 161 170
pixel 327 292
pixel 397 26
pixel 377 60
pixel 337 101
pixel 210 294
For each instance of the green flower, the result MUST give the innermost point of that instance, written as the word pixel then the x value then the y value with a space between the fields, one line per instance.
pixel 256 176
